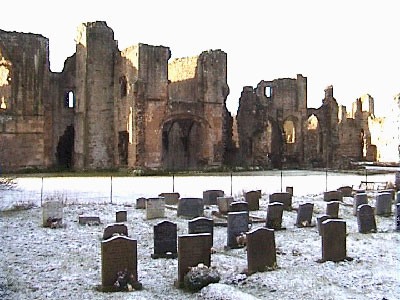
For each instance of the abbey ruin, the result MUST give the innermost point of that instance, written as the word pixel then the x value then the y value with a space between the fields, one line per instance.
pixel 131 108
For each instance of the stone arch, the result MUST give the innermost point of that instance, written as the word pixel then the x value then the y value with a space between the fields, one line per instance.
pixel 5 82
pixel 313 146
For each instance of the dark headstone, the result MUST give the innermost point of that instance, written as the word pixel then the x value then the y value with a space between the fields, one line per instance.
pixel 89 220
pixel 397 217
pixel 391 192
pixel 190 207
pixel 304 215
pixel 223 204
pixel 346 191
pixel 289 189
pixel 366 219
pixel 253 199
pixel 193 249
pixel 261 251
pixel 320 220
pixel 359 191
pixel 359 199
pixel 383 204
pixel 170 198
pixel 333 240
pixel 237 224
pixel 118 254
pixel 332 209
pixel 333 196
pixel 141 203
pixel 115 229
pixel 165 240
pixel 398 197
pixel 274 216
pixel 210 196
pixel 239 206
pixel 284 198
pixel 121 216
pixel 202 225
pixel 155 208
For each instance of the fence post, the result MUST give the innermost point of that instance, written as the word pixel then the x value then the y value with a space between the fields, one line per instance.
pixel 41 194
pixel 111 193
pixel 231 184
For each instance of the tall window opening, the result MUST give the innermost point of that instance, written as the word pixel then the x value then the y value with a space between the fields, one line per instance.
pixel 267 91
pixel 290 132
pixel 70 99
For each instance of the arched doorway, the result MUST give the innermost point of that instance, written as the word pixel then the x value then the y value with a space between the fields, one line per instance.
pixel 65 148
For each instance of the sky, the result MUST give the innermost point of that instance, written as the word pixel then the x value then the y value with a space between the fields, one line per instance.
pixel 353 45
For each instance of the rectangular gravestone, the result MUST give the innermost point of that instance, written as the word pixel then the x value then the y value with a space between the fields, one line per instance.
pixel 165 240
pixel 141 203
pixel 253 199
pixel 193 249
pixel 115 229
pixel 238 223
pixel 274 216
pixel 52 214
pixel 261 251
pixel 383 204
pixel 170 198
pixel 118 254
pixel 289 189
pixel 333 240
pixel 155 208
pixel 121 216
pixel 366 219
pixel 210 196
pixel 397 217
pixel 320 220
pixel 284 198
pixel 332 209
pixel 398 197
pixel 304 215
pixel 223 204
pixel 237 206
pixel 359 199
pixel 202 225
pixel 392 193
pixel 346 191
pixel 333 196
pixel 190 207
pixel 89 220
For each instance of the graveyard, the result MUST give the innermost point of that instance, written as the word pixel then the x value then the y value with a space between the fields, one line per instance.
pixel 332 245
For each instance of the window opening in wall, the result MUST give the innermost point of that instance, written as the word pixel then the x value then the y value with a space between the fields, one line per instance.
pixel 70 99
pixel 3 104
pixel 268 91
pixel 290 132
pixel 312 123
pixel 123 86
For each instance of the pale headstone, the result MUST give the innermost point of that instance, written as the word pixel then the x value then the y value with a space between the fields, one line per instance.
pixel 346 191
pixel 121 216
pixel 366 219
pixel 190 207
pixel 237 224
pixel 210 196
pixel 359 199
pixel 155 208
pixel 165 240
pixel 284 198
pixel 383 205
pixel 52 213
pixel 320 220
pixel 89 220
pixel 170 198
pixel 141 203
pixel 274 216
pixel 224 203
pixel 261 251
pixel 397 217
pixel 115 229
pixel 333 196
pixel 289 189
pixel 253 199
pixel 304 215
pixel 202 225
pixel 332 209
pixel 333 240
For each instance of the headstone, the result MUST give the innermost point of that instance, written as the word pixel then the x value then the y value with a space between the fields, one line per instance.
pixel 210 196
pixel 165 240
pixel 190 207
pixel 333 240
pixel 170 198
pixel 121 216
pixel 261 251
pixel 274 216
pixel 118 254
pixel 333 196
pixel 193 249
pixel 284 198
pixel 141 203
pixel 115 229
pixel 237 206
pixel 398 197
pixel 89 220
pixel 383 205
pixel 397 217
pixel 391 192
pixel 320 220
pixel 155 208
pixel 223 204
pixel 359 199
pixel 346 191
pixel 304 215
pixel 253 199
pixel 332 209
pixel 366 219
pixel 237 224
pixel 202 225
pixel 52 214
pixel 289 189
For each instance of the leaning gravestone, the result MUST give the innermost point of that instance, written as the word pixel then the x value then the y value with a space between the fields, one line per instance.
pixel 210 196
pixel 193 249
pixel 121 216
pixel 155 208
pixel 383 204
pixel 274 216
pixel 320 220
pixel 118 254
pixel 333 240
pixel 237 224
pixel 284 198
pixel 332 209
pixel 141 203
pixel 261 251
pixel 170 198
pixel 304 215
pixel 397 217
pixel 366 219
pixel 115 229
pixel 359 199
pixel 346 191
pixel 253 199
pixel 89 220
pixel 190 207
pixel 223 204
pixel 165 240
pixel 52 214
pixel 202 225
pixel 333 196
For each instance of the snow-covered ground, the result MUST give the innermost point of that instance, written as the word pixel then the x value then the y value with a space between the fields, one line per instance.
pixel 41 263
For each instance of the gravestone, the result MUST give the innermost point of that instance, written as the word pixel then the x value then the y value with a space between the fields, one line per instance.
pixel 383 205
pixel 366 219
pixel 320 220
pixel 359 199
pixel 391 192
pixel 155 208
pixel 165 240
pixel 89 220
pixel 223 204
pixel 261 251
pixel 115 229
pixel 238 223
pixel 170 198
pixel 359 191
pixel 332 209
pixel 52 214
pixel 397 217
pixel 333 240
pixel 274 216
pixel 333 196
pixel 141 203
pixel 346 191
pixel 190 207
pixel 253 199
pixel 237 206
pixel 210 196
pixel 398 197
pixel 121 216
pixel 289 189
pixel 193 249
pixel 304 215
pixel 284 198
pixel 118 254
pixel 202 225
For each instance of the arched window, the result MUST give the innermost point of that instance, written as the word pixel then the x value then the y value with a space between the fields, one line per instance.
pixel 312 122
pixel 123 86
pixel 290 131
pixel 70 99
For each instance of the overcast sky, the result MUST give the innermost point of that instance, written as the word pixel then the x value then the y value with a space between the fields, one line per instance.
pixel 352 45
